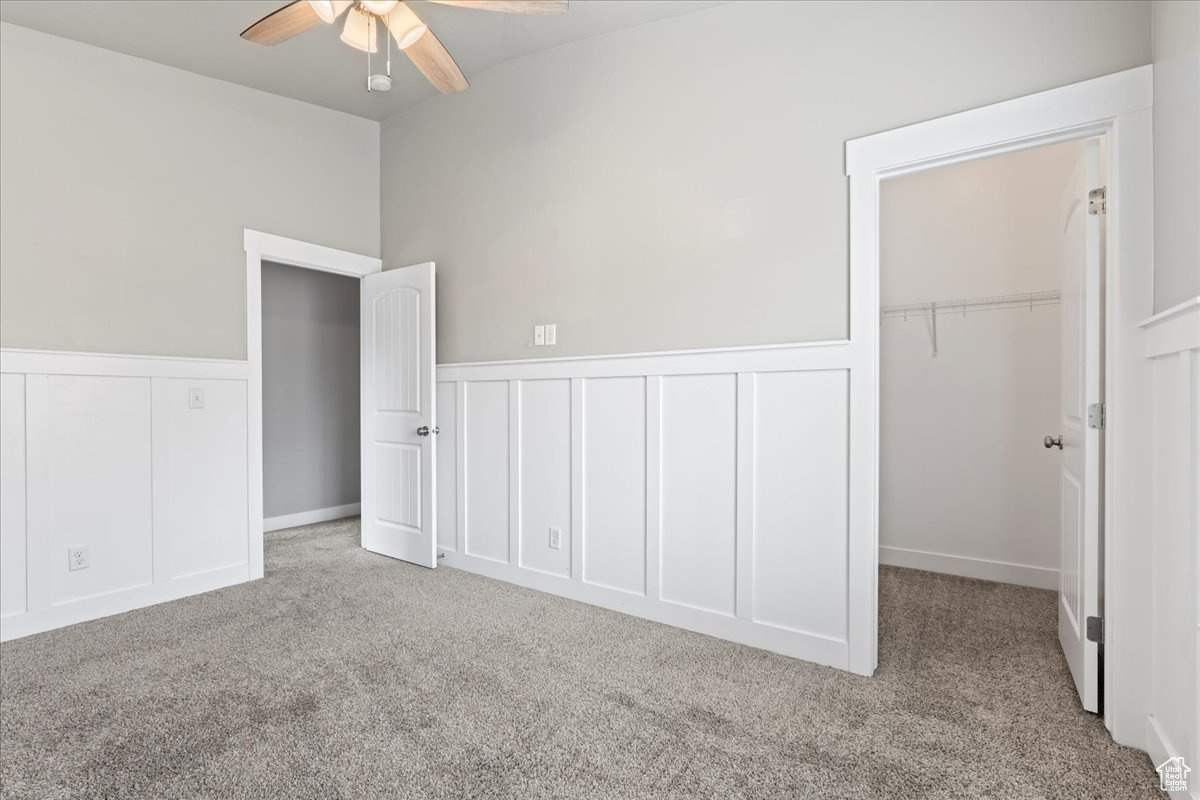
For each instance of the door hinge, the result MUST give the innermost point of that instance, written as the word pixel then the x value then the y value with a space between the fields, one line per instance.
pixel 1095 629
pixel 1098 200
pixel 1096 416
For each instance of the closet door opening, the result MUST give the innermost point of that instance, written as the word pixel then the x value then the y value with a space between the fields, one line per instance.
pixel 989 471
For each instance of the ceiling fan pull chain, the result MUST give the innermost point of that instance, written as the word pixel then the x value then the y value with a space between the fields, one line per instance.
pixel 371 39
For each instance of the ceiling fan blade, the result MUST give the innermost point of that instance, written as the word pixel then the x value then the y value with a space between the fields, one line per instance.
pixel 511 6
pixel 279 26
pixel 436 64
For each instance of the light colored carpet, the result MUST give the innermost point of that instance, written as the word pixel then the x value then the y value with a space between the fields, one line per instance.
pixel 348 675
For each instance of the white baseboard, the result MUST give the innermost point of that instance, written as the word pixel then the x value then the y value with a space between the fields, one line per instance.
pixel 14 626
pixel 309 517
pixel 789 642
pixel 1159 748
pixel 964 566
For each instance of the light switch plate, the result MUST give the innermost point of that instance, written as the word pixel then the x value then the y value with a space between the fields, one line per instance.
pixel 539 335
pixel 195 398
pixel 551 334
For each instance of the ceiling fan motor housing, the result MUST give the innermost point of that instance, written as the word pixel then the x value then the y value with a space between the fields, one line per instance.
pixel 403 25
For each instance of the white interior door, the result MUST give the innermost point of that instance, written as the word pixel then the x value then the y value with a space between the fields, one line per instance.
pixel 398 414
pixel 1081 423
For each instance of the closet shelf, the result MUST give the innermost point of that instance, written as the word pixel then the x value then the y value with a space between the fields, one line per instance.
pixel 936 308
pixel 962 306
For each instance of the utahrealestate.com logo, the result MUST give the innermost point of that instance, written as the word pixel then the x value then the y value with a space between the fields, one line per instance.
pixel 1172 775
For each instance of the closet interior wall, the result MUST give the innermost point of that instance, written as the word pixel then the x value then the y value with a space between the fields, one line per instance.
pixel 966 486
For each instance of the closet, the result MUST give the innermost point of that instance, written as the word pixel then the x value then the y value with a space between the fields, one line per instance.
pixel 970 367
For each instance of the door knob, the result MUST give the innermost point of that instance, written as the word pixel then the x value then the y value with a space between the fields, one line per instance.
pixel 424 431
pixel 1050 441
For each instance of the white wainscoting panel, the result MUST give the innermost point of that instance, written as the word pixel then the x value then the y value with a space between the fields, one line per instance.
pixel 108 455
pixel 545 485
pixel 698 479
pixel 800 469
pixel 614 483
pixel 200 464
pixel 707 490
pixel 447 461
pixel 486 461
pixel 12 494
pixel 94 485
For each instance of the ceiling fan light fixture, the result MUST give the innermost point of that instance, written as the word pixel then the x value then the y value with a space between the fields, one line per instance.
pixel 358 33
pixel 329 10
pixel 405 25
pixel 380 8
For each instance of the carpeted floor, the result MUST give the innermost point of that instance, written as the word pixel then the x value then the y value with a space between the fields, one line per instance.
pixel 348 675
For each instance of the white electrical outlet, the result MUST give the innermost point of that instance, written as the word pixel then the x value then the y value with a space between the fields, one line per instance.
pixel 77 558
pixel 555 539
pixel 195 398
pixel 539 335
pixel 551 334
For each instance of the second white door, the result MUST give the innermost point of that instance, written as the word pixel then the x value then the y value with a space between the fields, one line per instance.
pixel 399 422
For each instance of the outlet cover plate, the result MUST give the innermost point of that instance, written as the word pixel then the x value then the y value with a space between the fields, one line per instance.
pixel 77 558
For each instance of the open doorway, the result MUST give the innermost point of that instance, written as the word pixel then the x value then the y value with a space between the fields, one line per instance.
pixel 397 413
pixel 991 347
pixel 310 369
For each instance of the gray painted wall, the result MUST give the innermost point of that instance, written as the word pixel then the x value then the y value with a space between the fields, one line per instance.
pixel 1176 30
pixel 126 186
pixel 310 390
pixel 682 184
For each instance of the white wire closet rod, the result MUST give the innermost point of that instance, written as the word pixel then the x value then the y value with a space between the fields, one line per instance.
pixel 937 307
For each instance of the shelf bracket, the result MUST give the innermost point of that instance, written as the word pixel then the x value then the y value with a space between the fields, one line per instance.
pixel 933 325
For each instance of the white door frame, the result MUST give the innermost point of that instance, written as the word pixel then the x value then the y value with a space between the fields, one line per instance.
pixel 1119 107
pixel 262 247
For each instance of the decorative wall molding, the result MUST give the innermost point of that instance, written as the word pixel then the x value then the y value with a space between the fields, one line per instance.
pixel 1173 354
pixel 108 452
pixel 1174 330
pixel 832 354
pixel 309 517
pixel 62 362
pixel 983 569
pixel 647 354
pixel 707 490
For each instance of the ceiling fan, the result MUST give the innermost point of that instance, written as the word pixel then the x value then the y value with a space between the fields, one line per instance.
pixel 361 31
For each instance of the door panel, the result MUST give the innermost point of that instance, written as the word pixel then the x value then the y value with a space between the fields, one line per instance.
pixel 1082 267
pixel 399 424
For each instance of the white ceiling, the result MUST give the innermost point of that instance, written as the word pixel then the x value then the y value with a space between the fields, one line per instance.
pixel 202 36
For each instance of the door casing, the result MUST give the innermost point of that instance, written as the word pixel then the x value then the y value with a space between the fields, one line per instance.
pixel 262 247
pixel 1118 107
